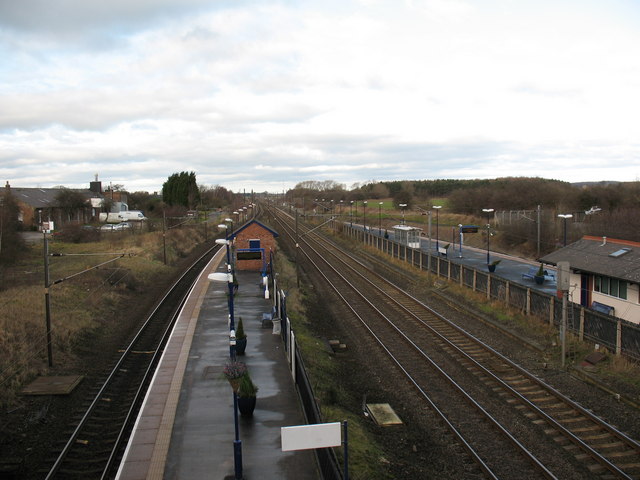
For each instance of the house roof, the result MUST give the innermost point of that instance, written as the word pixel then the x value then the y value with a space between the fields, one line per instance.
pixel 42 197
pixel 235 234
pixel 601 256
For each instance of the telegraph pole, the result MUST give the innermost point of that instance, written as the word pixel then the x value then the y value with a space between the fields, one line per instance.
pixel 47 300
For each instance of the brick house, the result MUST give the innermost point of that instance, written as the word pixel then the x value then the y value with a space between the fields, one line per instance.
pixel 253 245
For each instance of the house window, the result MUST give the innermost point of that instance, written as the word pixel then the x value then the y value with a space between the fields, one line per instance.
pixel 254 243
pixel 610 286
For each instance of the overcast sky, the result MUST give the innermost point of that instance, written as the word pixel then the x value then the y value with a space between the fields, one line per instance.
pixel 261 95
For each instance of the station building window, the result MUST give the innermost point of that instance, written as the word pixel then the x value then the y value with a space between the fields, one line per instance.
pixel 610 286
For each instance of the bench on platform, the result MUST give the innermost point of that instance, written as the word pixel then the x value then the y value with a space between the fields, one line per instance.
pixel 602 308
pixel 533 272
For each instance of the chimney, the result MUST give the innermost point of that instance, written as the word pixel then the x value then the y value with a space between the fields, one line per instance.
pixel 96 186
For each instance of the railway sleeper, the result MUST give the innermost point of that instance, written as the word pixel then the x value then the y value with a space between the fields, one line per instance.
pixel 623 453
pixel 518 381
pixel 557 405
pixel 590 428
pixel 564 413
pixel 600 436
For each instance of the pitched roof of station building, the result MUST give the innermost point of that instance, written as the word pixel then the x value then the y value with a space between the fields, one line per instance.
pixel 252 222
pixel 601 256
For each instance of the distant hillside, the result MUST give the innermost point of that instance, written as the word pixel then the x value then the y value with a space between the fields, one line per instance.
pixel 602 183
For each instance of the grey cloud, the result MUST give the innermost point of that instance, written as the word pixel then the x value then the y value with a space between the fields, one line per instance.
pixel 90 24
pixel 61 15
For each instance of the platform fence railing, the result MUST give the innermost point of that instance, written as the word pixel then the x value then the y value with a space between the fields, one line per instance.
pixel 618 335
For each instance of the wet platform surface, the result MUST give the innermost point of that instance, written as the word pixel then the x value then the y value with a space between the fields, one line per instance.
pixel 186 428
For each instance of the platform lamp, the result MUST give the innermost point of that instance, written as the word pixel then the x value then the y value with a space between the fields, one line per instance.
pixel 364 221
pixel 351 213
pixel 380 218
pixel 228 278
pixel 488 211
pixel 564 217
pixel 437 209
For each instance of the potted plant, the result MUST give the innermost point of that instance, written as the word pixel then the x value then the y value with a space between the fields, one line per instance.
pixel 233 372
pixel 539 276
pixel 492 266
pixel 241 338
pixel 247 396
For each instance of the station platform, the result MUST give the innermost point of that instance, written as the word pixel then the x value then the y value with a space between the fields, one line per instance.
pixel 185 429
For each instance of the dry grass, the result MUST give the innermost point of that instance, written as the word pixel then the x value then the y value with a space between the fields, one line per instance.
pixel 624 370
pixel 81 305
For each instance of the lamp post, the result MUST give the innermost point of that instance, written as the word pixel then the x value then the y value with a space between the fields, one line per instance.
pixel 380 218
pixel 351 213
pixel 228 277
pixel 437 209
pixel 488 211
pixel 564 217
pixel 364 209
pixel 403 206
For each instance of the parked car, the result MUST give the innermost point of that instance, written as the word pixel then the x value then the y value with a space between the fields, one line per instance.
pixel 122 226
pixel 115 227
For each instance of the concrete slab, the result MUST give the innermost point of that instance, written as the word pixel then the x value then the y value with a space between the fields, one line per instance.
pixel 54 385
pixel 383 414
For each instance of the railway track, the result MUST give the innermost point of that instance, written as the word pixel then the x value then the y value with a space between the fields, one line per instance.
pixel 506 394
pixel 95 444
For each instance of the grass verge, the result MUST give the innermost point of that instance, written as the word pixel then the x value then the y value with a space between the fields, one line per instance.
pixel 87 303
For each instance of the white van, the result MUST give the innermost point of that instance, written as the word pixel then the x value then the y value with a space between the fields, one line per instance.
pixel 125 216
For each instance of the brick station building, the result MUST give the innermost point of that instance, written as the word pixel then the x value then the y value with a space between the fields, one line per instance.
pixel 253 244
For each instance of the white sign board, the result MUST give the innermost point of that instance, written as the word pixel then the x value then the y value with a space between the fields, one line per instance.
pixel 304 437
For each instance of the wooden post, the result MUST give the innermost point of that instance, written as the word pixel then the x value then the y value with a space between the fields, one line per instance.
pixel 581 333
pixel 489 287
pixel 618 336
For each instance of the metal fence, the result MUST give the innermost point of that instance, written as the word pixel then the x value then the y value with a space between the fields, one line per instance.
pixel 326 458
pixel 618 335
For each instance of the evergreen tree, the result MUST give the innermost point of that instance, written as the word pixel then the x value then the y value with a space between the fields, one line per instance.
pixel 181 189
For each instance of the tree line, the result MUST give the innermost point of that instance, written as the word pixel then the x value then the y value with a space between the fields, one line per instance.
pixel 618 217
